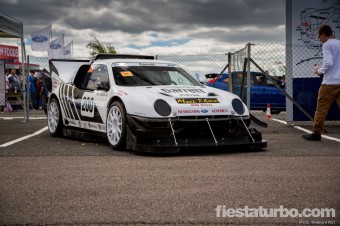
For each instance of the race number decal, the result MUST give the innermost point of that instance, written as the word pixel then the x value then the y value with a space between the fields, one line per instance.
pixel 87 106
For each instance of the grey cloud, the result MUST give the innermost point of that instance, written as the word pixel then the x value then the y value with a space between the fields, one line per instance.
pixel 158 15
pixel 243 36
pixel 171 17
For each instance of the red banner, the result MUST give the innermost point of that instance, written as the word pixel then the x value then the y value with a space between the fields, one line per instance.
pixel 9 52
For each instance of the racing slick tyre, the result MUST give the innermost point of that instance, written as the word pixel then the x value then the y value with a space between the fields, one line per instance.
pixel 116 126
pixel 54 120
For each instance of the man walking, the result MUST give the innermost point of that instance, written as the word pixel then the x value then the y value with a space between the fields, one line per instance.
pixel 330 86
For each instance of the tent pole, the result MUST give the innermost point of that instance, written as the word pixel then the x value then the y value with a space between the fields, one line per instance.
pixel 25 80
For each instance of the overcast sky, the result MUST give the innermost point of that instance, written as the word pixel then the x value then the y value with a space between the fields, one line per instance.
pixel 153 27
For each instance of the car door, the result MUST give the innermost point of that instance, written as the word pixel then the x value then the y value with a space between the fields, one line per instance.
pixel 264 92
pixel 91 97
pixel 258 91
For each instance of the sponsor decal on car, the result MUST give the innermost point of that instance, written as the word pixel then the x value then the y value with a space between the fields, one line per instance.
pixel 189 95
pixel 101 94
pixel 188 111
pixel 219 110
pixel 197 100
pixel 87 105
pixel 121 93
pixel 171 65
pixel 126 73
pixel 183 90
pixel 202 105
pixel 147 64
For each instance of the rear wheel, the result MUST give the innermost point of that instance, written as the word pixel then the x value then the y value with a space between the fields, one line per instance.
pixel 54 118
pixel 116 125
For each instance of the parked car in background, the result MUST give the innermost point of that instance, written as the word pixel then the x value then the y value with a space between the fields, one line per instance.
pixel 262 90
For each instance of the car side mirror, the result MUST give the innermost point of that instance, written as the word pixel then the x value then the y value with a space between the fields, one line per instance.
pixel 211 75
pixel 283 85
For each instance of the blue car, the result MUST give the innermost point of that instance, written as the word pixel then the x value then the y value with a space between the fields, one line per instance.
pixel 262 91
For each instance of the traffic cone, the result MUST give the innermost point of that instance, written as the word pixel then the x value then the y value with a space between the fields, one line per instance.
pixel 268 112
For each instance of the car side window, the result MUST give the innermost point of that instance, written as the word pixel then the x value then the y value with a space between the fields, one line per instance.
pixel 96 77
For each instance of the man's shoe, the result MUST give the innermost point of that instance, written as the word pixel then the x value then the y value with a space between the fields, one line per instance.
pixel 312 136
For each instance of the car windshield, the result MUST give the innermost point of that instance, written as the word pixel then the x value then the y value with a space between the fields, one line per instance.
pixel 128 75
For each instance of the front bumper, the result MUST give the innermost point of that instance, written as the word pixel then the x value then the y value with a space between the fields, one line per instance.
pixel 157 135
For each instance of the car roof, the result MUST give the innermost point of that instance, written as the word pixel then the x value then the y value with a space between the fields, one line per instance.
pixel 127 58
pixel 122 56
pixel 118 60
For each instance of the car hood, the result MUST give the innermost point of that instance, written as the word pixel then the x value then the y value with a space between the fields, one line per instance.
pixel 183 100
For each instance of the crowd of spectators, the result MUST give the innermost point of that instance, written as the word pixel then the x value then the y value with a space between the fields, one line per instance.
pixel 15 84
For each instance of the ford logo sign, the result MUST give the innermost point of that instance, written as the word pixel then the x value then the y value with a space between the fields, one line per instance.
pixel 55 46
pixel 204 111
pixel 39 38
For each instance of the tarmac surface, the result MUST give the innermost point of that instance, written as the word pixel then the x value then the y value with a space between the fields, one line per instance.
pixel 48 180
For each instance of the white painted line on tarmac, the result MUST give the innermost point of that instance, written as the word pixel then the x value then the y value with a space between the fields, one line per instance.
pixel 322 135
pixel 23 138
pixel 280 121
pixel 33 118
pixel 308 131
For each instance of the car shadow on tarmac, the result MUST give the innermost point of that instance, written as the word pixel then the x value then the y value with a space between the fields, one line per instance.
pixel 200 151
pixel 192 151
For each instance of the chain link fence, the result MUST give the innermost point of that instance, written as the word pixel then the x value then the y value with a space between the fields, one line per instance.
pixel 289 87
pixel 294 66
pixel 280 77
pixel 20 98
pixel 198 65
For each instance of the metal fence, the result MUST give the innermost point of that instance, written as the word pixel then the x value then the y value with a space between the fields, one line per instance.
pixel 293 65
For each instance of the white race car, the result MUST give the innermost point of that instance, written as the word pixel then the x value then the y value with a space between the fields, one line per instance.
pixel 143 104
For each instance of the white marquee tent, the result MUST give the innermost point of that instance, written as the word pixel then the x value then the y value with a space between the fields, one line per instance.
pixel 11 28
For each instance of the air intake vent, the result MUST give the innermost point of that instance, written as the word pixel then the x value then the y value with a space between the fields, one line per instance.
pixel 238 106
pixel 165 94
pixel 162 107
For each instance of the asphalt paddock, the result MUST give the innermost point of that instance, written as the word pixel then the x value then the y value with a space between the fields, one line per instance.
pixel 58 181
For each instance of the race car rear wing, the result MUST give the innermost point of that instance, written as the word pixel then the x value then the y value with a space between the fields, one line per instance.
pixel 65 70
pixel 103 56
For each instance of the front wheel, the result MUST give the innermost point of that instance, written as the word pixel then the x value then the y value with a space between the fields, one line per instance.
pixel 54 120
pixel 116 125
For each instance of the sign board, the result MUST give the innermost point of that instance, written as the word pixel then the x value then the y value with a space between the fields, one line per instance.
pixel 304 49
pixel 9 52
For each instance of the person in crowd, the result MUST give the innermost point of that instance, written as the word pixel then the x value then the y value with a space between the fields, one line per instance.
pixel 330 86
pixel 261 80
pixel 282 78
pixel 37 91
pixel 32 89
pixel 14 81
pixel 14 84
pixel 8 85
pixel 43 93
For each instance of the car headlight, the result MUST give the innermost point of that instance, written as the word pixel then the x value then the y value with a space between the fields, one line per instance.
pixel 162 107
pixel 238 106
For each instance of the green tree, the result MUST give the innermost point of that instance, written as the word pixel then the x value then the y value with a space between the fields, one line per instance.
pixel 97 47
